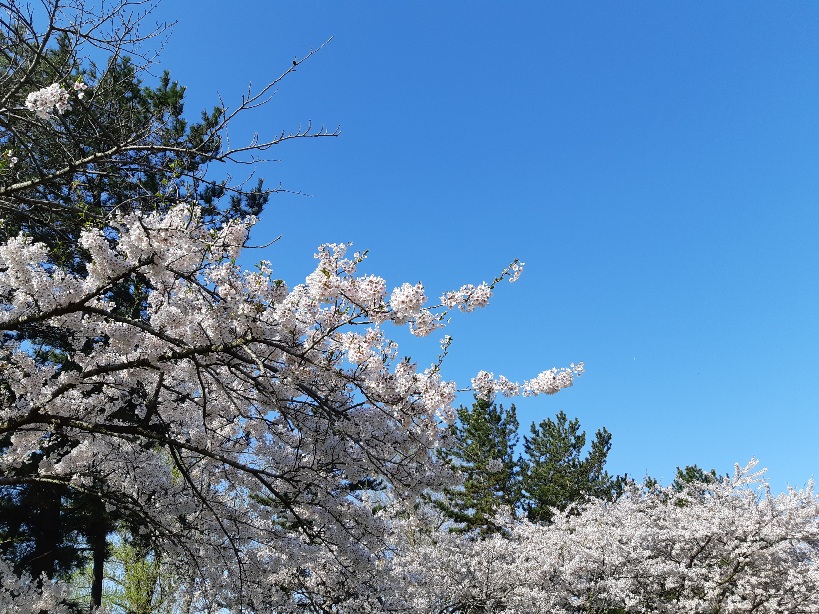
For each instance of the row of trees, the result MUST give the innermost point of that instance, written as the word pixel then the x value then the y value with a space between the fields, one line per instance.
pixel 556 473
pixel 180 435
pixel 710 545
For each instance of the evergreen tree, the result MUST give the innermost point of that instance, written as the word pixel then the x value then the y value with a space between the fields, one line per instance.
pixel 692 474
pixel 555 475
pixel 694 483
pixel 136 580
pixel 485 437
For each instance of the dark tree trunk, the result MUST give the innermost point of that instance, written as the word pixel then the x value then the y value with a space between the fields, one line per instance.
pixel 98 528
pixel 99 549
pixel 46 527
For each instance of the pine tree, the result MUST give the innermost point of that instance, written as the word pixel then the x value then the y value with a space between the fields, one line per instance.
pixel 555 475
pixel 693 474
pixel 485 437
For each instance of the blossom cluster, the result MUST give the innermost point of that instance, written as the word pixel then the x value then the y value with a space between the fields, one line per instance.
pixel 22 595
pixel 486 386
pixel 48 100
pixel 53 99
pixel 468 297
pixel 8 159
pixel 80 87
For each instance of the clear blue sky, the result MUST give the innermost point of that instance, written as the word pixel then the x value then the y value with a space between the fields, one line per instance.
pixel 656 165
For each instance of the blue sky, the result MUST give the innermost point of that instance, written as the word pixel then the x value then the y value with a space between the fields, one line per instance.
pixel 656 165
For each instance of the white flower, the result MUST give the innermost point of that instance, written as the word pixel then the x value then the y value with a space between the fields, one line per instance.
pixel 494 465
pixel 44 102
pixel 516 270
pixel 407 300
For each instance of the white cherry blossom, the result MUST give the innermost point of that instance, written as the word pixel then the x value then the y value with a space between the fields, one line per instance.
pixel 234 416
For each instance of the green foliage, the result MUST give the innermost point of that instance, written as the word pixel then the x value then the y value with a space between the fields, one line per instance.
pixel 125 147
pixel 484 436
pixel 135 580
pixel 693 482
pixel 692 474
pixel 556 475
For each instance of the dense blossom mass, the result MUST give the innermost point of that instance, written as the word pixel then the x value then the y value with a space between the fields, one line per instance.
pixel 21 595
pixel 233 406
pixel 727 545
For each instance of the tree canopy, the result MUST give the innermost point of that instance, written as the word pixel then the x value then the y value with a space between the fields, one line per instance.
pixel 556 475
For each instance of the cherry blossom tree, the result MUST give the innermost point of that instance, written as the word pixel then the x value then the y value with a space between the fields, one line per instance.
pixel 83 140
pixel 236 416
pixel 264 437
pixel 230 418
pixel 239 425
pixel 726 545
